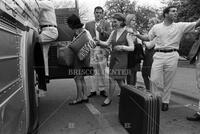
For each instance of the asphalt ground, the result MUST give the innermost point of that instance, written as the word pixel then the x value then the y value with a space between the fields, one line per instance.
pixel 57 117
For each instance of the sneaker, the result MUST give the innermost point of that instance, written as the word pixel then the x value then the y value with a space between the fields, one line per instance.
pixel 42 93
pixel 195 117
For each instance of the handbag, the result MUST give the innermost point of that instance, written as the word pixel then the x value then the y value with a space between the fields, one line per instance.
pixel 65 54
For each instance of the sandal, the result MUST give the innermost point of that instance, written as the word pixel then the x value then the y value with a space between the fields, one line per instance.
pixel 74 102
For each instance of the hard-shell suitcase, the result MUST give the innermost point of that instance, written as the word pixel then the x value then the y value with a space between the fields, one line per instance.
pixel 139 111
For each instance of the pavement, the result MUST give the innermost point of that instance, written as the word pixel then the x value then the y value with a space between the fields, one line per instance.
pixel 184 83
pixel 57 117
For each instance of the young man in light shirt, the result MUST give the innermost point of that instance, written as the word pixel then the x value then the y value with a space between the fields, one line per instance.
pixel 167 36
pixel 99 29
pixel 48 33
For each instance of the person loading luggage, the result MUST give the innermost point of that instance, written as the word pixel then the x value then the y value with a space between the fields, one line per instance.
pixel 48 32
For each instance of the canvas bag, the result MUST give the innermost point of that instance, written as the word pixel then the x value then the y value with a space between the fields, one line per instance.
pixel 79 42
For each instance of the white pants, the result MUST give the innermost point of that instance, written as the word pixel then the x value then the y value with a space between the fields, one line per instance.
pixel 47 35
pixel 164 67
pixel 98 80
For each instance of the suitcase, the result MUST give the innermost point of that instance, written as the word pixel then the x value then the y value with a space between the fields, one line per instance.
pixel 139 111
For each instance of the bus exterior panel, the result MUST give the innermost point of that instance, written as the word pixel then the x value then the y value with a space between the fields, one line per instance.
pixel 18 99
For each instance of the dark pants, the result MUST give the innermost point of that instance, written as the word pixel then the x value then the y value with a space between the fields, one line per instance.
pixel 132 78
pixel 39 67
pixel 146 67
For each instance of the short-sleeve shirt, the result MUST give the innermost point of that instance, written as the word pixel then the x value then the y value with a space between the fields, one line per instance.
pixel 47 13
pixel 168 37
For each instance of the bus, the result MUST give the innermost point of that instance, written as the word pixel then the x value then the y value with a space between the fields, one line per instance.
pixel 18 78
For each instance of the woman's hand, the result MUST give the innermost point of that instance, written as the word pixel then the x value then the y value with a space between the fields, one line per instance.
pixel 119 48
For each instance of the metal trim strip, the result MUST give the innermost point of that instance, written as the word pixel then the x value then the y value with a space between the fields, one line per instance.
pixel 9 85
pixel 13 94
pixel 8 57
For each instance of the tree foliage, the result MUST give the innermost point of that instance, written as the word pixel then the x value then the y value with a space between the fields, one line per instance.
pixel 126 7
pixel 119 6
pixel 188 9
pixel 143 15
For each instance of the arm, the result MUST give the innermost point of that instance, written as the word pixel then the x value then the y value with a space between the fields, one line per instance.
pixel 131 45
pixel 142 37
pixel 105 43
pixel 150 44
pixel 104 30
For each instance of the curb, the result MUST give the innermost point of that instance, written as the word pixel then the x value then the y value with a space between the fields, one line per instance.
pixel 181 94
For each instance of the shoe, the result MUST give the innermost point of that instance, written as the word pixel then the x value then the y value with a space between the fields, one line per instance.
pixel 195 117
pixel 74 102
pixel 106 104
pixel 92 94
pixel 42 93
pixel 165 106
pixel 85 100
pixel 103 93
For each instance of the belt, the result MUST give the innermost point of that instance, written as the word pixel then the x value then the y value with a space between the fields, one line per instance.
pixel 166 50
pixel 42 26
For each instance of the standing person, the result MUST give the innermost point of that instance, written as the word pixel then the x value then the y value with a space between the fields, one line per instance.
pixel 74 23
pixel 48 33
pixel 134 57
pixel 167 36
pixel 100 30
pixel 148 56
pixel 196 116
pixel 121 42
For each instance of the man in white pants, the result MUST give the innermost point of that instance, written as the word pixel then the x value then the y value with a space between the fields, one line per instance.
pixel 99 29
pixel 48 33
pixel 167 35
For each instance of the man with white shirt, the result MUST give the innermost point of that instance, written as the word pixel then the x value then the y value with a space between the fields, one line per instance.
pixel 100 30
pixel 48 33
pixel 167 36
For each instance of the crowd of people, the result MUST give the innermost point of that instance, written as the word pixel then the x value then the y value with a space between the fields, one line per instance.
pixel 126 47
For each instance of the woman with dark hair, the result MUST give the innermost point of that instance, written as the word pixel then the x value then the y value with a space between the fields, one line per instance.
pixel 75 24
pixel 121 42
